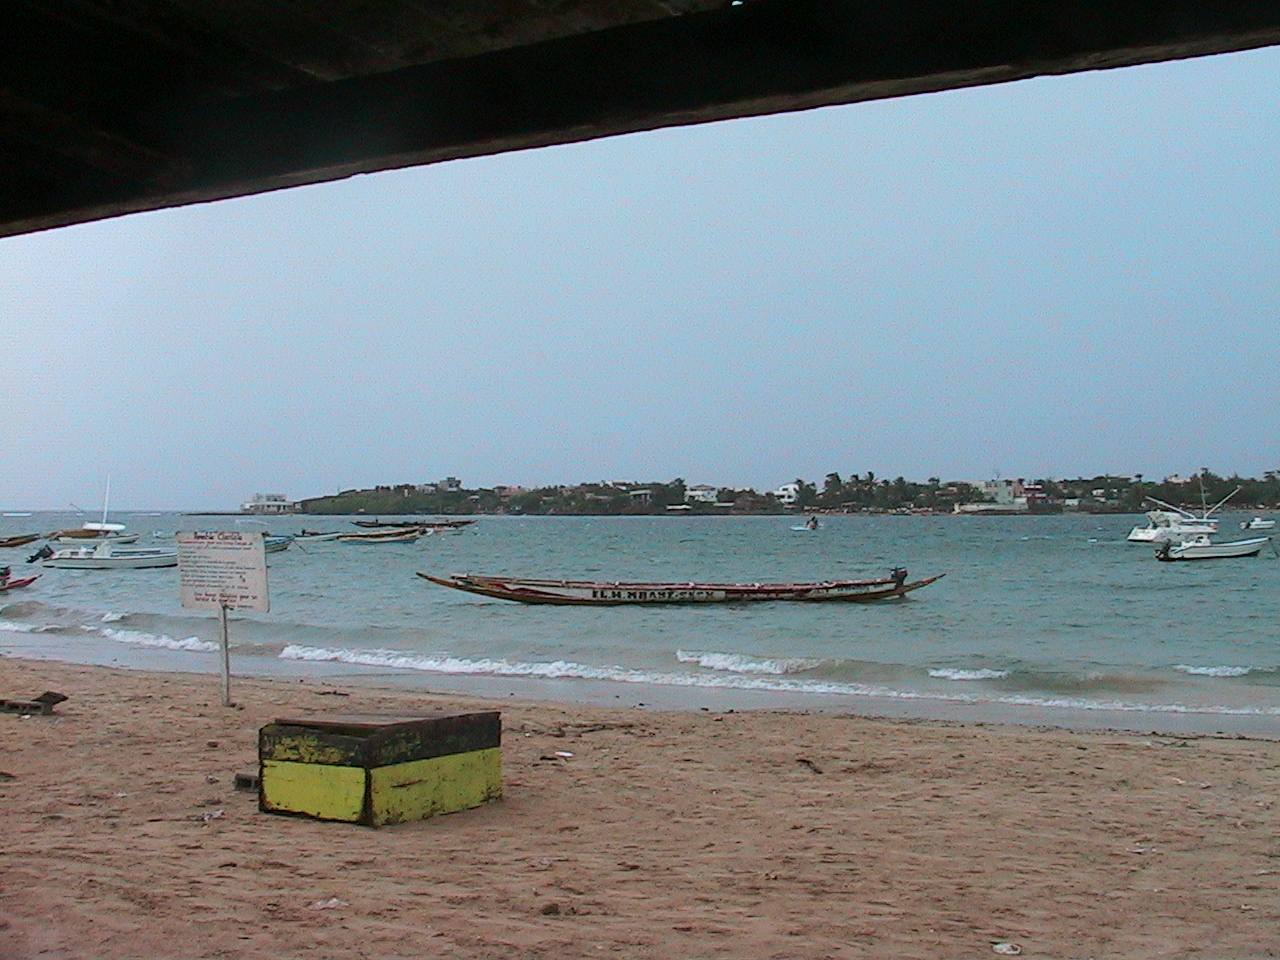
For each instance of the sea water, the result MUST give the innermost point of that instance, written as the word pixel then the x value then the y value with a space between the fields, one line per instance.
pixel 1037 617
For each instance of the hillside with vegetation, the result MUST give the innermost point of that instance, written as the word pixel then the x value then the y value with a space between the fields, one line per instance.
pixel 857 493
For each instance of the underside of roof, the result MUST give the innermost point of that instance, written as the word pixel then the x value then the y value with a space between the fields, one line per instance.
pixel 109 107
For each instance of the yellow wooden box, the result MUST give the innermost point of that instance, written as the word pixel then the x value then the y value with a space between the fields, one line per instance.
pixel 376 769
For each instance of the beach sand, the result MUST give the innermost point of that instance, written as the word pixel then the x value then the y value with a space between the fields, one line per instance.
pixel 746 835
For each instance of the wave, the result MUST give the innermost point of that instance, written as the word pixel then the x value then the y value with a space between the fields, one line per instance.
pixel 569 670
pixel 14 626
pixel 139 639
pixel 445 663
pixel 980 674
pixel 1213 671
pixel 740 663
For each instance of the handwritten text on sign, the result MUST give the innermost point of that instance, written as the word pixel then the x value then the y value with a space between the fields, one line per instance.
pixel 222 568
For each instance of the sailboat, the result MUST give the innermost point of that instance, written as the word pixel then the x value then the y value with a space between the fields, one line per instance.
pixel 95 532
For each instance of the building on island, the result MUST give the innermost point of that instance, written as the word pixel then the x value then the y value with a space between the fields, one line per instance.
pixel 701 493
pixel 788 494
pixel 268 503
pixel 1008 497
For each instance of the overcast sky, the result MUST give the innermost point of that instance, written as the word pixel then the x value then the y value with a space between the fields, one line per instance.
pixel 1057 277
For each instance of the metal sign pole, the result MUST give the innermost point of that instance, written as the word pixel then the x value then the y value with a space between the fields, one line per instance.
pixel 226 661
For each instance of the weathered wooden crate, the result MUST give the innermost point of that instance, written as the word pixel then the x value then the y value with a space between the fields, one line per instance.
pixel 375 769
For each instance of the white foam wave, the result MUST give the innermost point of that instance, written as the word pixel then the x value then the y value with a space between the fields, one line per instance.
pixel 1213 671
pixel 443 663
pixel 12 626
pixel 562 669
pixel 943 673
pixel 739 663
pixel 113 617
pixel 140 639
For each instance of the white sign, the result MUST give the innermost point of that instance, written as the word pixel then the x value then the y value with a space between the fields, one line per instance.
pixel 223 569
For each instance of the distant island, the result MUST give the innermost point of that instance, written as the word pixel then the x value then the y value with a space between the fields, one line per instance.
pixel 855 494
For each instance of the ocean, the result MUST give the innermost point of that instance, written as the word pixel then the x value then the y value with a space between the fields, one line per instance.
pixel 1047 619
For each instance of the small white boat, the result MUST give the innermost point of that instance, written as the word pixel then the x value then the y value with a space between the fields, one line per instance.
pixel 1203 548
pixel 315 536
pixel 276 544
pixel 1257 523
pixel 107 556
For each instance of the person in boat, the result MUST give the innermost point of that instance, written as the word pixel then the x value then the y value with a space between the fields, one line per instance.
pixel 811 523
pixel 5 573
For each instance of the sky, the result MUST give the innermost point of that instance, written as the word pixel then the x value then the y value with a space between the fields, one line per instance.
pixel 1058 277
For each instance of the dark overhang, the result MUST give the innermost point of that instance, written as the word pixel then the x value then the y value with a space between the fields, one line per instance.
pixel 110 107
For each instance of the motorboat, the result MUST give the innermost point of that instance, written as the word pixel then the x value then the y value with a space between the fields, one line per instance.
pixel 1165 526
pixel 1174 524
pixel 107 556
pixel 1257 523
pixel 613 593
pixel 1202 547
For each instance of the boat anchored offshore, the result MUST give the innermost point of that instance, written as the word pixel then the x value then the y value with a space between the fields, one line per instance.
pixel 107 556
pixel 1201 547
pixel 1257 523
pixel 10 582
pixel 1173 524
pixel 611 593
pixel 387 535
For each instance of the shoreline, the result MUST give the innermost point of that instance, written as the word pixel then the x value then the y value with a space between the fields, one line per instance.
pixel 756 835
pixel 570 692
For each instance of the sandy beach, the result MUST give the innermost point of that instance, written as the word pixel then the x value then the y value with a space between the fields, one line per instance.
pixel 629 832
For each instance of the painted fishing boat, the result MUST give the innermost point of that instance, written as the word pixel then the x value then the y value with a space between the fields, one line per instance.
pixel 315 536
pixel 21 540
pixel 391 535
pixel 271 544
pixel 1203 548
pixel 610 593
pixel 418 524
pixel 13 583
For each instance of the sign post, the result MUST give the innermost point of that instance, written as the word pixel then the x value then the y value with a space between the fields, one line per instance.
pixel 223 570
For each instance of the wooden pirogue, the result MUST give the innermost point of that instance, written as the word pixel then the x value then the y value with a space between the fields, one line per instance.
pixel 525 590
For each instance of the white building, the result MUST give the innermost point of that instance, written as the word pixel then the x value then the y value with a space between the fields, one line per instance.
pixel 700 493
pixel 267 503
pixel 788 493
